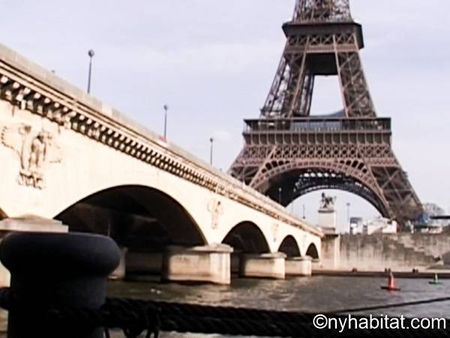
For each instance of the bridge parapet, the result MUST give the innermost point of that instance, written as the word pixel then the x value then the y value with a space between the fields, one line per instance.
pixel 29 86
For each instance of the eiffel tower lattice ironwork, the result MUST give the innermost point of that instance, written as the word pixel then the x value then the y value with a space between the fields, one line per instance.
pixel 288 152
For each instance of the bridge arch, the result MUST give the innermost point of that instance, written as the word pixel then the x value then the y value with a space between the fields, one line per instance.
pixel 290 247
pixel 135 216
pixel 312 251
pixel 247 237
pixel 287 181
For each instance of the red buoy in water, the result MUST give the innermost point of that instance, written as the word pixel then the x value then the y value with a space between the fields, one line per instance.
pixel 391 284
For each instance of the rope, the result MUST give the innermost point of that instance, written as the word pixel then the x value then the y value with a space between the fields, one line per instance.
pixel 135 317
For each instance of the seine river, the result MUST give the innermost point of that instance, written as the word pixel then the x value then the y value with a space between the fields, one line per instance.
pixel 314 294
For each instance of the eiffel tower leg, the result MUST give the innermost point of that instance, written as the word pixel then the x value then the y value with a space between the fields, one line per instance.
pixel 404 203
pixel 357 100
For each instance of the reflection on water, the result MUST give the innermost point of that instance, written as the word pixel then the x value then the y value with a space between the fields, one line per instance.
pixel 314 294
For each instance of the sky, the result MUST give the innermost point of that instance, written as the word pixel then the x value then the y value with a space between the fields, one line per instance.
pixel 212 62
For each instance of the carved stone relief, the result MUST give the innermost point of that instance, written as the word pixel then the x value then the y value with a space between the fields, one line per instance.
pixel 216 209
pixel 35 150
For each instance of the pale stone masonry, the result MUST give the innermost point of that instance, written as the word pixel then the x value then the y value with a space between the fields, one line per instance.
pixel 32 88
pixel 58 146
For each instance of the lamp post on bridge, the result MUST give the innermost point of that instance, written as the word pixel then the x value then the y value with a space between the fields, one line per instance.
pixel 348 213
pixel 211 150
pixel 166 108
pixel 293 201
pixel 91 54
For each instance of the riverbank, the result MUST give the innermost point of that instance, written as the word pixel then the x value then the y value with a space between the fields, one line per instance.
pixel 426 274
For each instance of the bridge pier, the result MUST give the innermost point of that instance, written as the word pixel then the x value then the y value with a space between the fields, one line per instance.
pixel 209 264
pixel 267 265
pixel 330 254
pixel 298 266
pixel 120 272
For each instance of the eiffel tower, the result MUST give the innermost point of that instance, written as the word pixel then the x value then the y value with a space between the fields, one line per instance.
pixel 288 152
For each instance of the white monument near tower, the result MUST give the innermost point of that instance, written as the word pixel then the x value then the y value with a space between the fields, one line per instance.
pixel 327 214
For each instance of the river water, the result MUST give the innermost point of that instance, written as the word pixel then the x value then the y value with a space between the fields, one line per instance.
pixel 312 294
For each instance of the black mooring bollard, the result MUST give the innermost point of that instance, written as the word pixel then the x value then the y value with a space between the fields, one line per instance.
pixel 56 271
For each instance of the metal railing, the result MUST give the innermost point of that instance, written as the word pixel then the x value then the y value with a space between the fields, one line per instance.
pixel 316 124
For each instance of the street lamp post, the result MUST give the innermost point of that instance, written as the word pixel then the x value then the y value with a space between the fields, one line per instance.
pixel 348 212
pixel 279 194
pixel 293 201
pixel 211 150
pixel 91 54
pixel 166 108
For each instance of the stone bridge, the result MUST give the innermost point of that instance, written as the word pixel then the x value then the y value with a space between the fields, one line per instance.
pixel 66 156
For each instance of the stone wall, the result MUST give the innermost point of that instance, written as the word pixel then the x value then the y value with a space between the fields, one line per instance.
pixel 435 245
pixel 401 252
